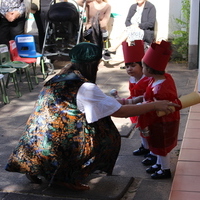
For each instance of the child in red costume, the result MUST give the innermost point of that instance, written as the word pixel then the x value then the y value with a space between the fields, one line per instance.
pixel 163 131
pixel 138 83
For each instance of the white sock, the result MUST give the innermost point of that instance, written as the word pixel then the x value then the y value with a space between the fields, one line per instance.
pixel 155 166
pixel 165 161
pixel 144 143
pixel 159 172
pixel 158 160
pixel 152 153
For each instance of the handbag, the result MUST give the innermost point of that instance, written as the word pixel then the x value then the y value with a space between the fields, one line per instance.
pixel 87 34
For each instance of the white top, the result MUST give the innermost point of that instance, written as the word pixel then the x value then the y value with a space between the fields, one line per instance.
pixel 133 31
pixel 158 82
pixel 94 103
pixel 133 79
pixel 136 19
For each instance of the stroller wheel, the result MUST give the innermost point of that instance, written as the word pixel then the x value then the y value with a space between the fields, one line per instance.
pixel 49 68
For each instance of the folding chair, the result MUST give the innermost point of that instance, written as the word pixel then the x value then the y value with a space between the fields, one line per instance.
pixel 15 57
pixel 3 90
pixel 26 47
pixel 5 61
pixel 10 72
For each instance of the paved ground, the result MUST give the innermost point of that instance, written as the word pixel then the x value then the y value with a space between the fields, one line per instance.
pixel 129 180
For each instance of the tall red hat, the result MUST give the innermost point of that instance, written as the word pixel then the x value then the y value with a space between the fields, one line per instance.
pixel 133 53
pixel 158 55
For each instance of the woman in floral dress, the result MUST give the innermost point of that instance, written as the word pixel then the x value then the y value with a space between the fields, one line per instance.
pixel 70 134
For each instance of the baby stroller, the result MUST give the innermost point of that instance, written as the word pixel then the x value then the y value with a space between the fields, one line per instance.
pixel 62 32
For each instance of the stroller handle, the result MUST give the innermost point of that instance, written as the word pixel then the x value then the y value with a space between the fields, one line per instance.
pixel 80 28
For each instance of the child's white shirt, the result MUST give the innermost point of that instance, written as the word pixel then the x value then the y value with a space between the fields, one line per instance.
pixel 133 79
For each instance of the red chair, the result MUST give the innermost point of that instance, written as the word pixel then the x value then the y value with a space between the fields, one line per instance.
pixel 15 57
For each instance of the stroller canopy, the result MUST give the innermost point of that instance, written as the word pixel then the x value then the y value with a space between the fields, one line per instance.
pixel 63 11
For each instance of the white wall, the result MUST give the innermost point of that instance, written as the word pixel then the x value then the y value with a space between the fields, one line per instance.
pixel 162 19
pixel 174 12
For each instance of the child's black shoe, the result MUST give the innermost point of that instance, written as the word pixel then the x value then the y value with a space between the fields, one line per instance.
pixel 149 160
pixel 161 174
pixel 153 169
pixel 141 151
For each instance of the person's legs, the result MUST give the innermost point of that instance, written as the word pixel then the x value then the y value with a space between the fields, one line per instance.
pixel 17 27
pixel 41 31
pixel 150 159
pixel 43 14
pixel 118 42
pixel 145 143
pixel 112 50
pixel 5 31
pixel 164 172
pixel 143 149
pixel 41 20
pixel 155 167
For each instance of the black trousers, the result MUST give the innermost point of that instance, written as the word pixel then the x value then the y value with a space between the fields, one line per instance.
pixel 41 30
pixel 8 30
pixel 41 19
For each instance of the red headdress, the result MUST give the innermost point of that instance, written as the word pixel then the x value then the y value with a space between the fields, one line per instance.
pixel 133 53
pixel 158 55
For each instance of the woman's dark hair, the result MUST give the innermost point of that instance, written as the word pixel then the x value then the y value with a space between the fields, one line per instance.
pixel 87 69
pixel 153 71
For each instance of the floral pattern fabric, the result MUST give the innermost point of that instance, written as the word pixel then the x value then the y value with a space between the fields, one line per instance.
pixel 58 143
pixel 12 5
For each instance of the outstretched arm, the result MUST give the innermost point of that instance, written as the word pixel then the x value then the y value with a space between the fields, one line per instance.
pixel 135 110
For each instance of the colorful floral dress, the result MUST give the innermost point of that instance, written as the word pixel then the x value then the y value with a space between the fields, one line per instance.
pixel 58 143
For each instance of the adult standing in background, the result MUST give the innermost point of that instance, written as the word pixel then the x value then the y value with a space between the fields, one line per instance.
pixel 142 16
pixel 96 7
pixel 13 17
pixel 140 24
pixel 41 8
